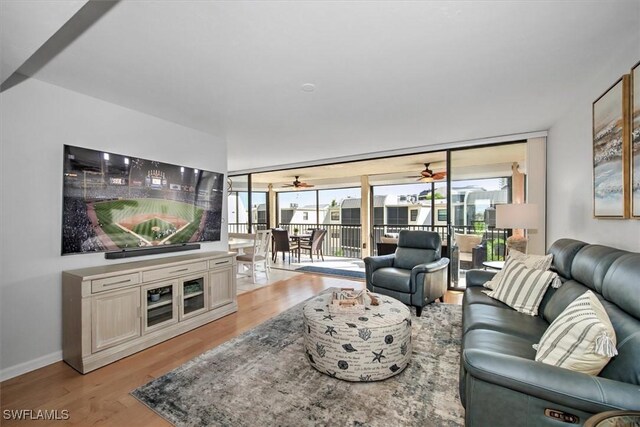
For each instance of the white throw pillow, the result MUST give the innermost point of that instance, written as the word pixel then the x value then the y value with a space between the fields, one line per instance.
pixel 581 338
pixel 537 262
pixel 522 288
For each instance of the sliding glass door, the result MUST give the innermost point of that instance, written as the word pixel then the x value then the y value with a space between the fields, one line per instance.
pixel 480 179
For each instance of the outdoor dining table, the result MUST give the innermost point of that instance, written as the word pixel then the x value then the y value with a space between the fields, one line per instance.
pixel 298 238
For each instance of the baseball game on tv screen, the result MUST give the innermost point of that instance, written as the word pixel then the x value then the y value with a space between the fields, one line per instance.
pixel 114 202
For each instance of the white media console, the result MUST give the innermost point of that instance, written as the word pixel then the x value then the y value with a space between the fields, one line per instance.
pixel 112 311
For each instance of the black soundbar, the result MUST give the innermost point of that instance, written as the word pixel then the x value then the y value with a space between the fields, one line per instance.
pixel 129 253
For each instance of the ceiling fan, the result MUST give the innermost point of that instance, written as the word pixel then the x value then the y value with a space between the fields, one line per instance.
pixel 298 184
pixel 427 175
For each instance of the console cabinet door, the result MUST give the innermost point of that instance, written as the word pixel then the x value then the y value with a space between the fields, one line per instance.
pixel 115 318
pixel 194 292
pixel 222 287
pixel 159 306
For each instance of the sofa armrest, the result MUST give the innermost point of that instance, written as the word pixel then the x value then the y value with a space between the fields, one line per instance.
pixel 419 273
pixel 573 389
pixel 478 277
pixel 372 263
pixel 431 267
pixel 376 262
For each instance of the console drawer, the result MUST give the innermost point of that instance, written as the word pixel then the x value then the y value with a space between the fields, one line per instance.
pixel 219 263
pixel 178 270
pixel 114 282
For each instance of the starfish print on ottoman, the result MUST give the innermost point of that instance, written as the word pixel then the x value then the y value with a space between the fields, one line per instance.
pixel 330 330
pixel 378 356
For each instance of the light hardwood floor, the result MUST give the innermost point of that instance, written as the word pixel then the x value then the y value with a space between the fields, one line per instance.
pixel 102 396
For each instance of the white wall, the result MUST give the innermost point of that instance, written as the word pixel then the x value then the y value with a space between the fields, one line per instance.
pixel 569 163
pixel 37 119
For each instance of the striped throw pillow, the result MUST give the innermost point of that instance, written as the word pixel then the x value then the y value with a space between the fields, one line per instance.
pixel 581 338
pixel 522 288
pixel 537 262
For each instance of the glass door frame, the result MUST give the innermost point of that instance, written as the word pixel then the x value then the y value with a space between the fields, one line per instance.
pixel 145 305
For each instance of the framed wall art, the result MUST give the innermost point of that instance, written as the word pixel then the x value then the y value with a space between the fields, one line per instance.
pixel 611 141
pixel 635 141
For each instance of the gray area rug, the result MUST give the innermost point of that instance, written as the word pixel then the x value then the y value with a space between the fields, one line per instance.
pixel 263 378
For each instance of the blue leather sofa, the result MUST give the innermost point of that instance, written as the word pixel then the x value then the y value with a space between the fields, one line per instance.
pixel 500 382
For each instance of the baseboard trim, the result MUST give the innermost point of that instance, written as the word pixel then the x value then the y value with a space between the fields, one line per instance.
pixel 31 365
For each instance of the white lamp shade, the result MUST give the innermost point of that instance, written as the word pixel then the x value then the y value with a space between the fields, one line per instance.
pixel 523 215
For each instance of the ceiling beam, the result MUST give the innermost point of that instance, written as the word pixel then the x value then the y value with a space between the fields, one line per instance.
pixel 81 21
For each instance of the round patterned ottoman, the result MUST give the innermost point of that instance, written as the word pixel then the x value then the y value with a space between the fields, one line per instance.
pixel 358 347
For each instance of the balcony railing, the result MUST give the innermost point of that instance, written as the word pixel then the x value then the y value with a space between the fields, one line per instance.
pixel 494 239
pixel 243 227
pixel 344 240
pixel 341 239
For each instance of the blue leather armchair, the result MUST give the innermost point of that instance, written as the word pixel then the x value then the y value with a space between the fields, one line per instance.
pixel 415 274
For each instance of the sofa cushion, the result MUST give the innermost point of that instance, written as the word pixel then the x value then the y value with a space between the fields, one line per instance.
pixel 591 264
pixel 620 284
pixel 624 367
pixel 561 298
pixel 417 247
pixel 504 320
pixel 392 278
pixel 563 251
pixel 499 342
pixel 581 338
pixel 476 296
pixel 536 262
pixel 522 288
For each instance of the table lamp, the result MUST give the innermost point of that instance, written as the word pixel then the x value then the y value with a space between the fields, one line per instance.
pixel 517 216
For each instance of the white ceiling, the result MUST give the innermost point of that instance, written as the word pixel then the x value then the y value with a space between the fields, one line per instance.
pixel 476 163
pixel 388 75
pixel 25 25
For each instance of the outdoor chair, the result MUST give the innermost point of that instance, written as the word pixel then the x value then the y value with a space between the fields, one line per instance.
pixel 281 243
pixel 258 257
pixel 415 274
pixel 315 243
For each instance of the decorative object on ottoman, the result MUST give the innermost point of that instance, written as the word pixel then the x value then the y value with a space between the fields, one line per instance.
pixel 358 347
pixel 348 301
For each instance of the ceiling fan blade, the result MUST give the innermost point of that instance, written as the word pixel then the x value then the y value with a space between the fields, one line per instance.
pixel 439 175
pixel 305 185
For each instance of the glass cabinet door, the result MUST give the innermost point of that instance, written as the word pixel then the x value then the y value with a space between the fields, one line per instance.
pixel 194 296
pixel 160 305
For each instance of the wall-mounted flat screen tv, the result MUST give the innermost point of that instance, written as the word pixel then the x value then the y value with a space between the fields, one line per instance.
pixel 114 202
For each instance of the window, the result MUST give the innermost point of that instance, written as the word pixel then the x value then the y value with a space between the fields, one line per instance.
pixel 414 215
pixel 335 216
pixel 286 215
pixel 397 215
pixel 305 216
pixel 442 215
pixel 378 216
pixel 351 216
